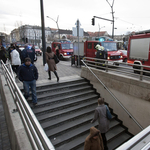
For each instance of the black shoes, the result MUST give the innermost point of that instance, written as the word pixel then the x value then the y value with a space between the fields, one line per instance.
pixel 57 79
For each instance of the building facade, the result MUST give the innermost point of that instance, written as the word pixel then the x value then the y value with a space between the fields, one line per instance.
pixel 29 34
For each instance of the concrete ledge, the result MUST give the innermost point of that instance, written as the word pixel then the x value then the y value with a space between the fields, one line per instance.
pixel 17 133
pixel 128 85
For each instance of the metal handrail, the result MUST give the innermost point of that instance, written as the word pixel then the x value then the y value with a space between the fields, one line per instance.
pixel 10 68
pixel 114 96
pixel 109 66
pixel 36 134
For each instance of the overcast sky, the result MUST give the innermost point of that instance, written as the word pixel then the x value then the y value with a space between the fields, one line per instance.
pixel 130 15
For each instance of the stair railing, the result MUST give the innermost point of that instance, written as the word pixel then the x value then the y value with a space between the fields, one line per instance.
pixel 121 67
pixel 113 95
pixel 35 132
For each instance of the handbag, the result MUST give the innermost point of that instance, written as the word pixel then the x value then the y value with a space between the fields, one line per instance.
pixel 108 114
pixel 46 67
pixel 56 59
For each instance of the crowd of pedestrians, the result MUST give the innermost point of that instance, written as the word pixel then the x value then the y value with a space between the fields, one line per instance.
pixel 22 63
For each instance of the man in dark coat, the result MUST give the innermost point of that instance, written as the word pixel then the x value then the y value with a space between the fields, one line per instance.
pixel 29 51
pixel 28 74
pixel 94 140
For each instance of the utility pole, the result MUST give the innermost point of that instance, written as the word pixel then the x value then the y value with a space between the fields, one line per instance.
pixel 43 32
pixel 112 12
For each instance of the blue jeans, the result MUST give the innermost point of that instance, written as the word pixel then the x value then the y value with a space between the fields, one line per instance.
pixel 32 85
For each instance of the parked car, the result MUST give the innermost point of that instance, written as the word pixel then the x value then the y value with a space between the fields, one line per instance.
pixel 124 55
pixel 38 51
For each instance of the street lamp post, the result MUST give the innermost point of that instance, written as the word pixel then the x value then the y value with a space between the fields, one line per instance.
pixel 112 17
pixel 56 24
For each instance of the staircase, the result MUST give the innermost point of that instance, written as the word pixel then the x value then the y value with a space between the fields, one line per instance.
pixel 65 110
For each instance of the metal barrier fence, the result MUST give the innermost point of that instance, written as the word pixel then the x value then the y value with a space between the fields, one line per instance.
pixel 119 67
pixel 36 134
pixel 104 64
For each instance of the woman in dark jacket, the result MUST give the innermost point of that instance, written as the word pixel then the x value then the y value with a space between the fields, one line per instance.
pixel 51 63
pixel 100 115
pixel 3 54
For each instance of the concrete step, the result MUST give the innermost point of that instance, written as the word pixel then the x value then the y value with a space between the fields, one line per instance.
pixel 70 116
pixel 61 93
pixel 63 104
pixel 76 131
pixel 50 101
pixel 61 83
pixel 78 141
pixel 118 140
pixel 61 87
pixel 77 122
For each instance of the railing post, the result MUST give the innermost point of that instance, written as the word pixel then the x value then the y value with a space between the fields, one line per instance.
pixel 141 73
pixel 106 66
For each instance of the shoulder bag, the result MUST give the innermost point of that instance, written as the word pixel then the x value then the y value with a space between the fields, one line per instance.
pixel 56 59
pixel 108 114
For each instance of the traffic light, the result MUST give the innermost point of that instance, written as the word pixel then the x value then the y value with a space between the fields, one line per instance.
pixel 93 21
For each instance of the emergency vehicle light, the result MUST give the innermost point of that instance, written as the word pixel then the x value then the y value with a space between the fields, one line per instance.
pixel 101 39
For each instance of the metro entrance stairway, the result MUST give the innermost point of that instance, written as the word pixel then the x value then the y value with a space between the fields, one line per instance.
pixel 65 110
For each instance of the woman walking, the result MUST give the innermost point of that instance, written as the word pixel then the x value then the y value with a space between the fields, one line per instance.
pixel 51 63
pixel 100 115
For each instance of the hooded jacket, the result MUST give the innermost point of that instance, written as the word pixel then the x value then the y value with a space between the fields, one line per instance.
pixel 27 73
pixel 91 143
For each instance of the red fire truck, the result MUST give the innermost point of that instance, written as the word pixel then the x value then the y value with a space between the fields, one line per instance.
pixel 112 53
pixel 65 48
pixel 139 49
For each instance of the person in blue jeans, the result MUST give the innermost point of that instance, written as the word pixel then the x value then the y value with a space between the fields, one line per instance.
pixel 28 74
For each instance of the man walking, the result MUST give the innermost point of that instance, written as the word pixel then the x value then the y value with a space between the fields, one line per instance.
pixel 29 51
pixel 28 74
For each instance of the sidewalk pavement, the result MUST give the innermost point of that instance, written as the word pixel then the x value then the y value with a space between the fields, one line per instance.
pixel 65 72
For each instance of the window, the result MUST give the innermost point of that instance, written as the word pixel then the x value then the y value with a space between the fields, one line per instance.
pixel 109 46
pixel 67 46
pixel 89 45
